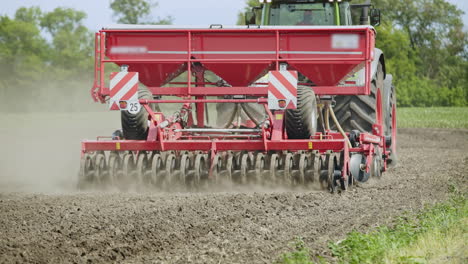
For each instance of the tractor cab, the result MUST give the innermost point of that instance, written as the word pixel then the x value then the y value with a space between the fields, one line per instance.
pixel 311 13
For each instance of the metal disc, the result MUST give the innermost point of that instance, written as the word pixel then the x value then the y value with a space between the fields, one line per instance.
pixel 114 169
pixel 259 167
pixel 86 171
pixel 170 168
pixel 331 183
pixel 315 167
pixel 303 168
pixel 184 168
pixel 217 166
pixel 357 165
pixel 324 171
pixel 200 170
pixel 101 170
pixel 274 166
pixel 156 168
pixel 376 166
pixel 245 166
pixel 288 166
pixel 141 168
pixel 229 167
pixel 128 169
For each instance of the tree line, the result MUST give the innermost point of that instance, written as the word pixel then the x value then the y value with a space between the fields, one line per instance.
pixel 49 55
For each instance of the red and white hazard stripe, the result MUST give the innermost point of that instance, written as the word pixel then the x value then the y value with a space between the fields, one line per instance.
pixel 282 90
pixel 123 87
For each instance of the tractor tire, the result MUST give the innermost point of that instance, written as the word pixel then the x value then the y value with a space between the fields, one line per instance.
pixel 301 123
pixel 357 112
pixel 135 126
pixel 389 102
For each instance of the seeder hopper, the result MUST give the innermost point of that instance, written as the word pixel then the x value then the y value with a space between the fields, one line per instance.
pixel 276 91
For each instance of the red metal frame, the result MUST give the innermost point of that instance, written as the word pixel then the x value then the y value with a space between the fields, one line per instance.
pixel 281 45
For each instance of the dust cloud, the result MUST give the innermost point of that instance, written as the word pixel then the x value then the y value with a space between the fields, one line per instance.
pixel 40 143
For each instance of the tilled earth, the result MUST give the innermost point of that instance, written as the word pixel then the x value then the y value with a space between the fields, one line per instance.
pixel 230 226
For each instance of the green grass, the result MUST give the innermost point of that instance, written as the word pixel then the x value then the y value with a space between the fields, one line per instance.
pixel 300 254
pixel 433 117
pixel 433 236
pixel 436 235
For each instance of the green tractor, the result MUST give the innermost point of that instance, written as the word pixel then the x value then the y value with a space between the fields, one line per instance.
pixel 354 112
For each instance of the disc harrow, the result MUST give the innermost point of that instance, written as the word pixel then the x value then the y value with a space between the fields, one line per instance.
pixel 170 171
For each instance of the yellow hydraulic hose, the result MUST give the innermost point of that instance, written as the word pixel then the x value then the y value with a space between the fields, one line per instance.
pixel 327 117
pixel 330 109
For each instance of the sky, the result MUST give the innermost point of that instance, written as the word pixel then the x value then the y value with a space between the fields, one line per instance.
pixel 184 12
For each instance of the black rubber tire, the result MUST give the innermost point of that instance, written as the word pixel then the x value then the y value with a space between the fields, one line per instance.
pixel 135 126
pixel 301 123
pixel 389 100
pixel 357 112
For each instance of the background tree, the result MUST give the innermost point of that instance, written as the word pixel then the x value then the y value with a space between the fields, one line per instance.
pixel 249 5
pixel 136 12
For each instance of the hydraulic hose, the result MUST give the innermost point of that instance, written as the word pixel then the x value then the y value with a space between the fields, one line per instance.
pixel 327 117
pixel 332 113
pixel 249 114
pixel 234 113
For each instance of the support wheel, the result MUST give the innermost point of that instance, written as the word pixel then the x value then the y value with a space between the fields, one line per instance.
pixel 135 126
pixel 301 123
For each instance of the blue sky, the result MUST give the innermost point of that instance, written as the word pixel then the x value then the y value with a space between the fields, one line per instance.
pixel 185 12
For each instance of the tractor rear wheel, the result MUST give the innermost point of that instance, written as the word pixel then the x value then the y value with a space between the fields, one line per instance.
pixel 135 126
pixel 357 112
pixel 389 120
pixel 301 123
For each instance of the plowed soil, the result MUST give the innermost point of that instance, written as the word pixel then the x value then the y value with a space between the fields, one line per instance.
pixel 44 219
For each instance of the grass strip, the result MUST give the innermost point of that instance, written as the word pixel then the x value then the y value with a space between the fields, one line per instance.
pixel 432 117
pixel 438 234
pixel 412 239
